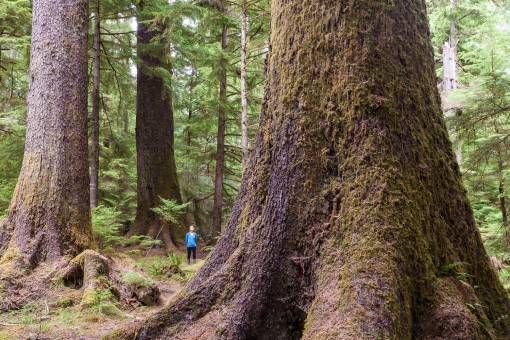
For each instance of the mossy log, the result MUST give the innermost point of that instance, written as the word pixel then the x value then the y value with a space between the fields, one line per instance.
pixel 352 221
pixel 92 272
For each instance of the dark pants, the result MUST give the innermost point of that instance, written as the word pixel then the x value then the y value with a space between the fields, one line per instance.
pixel 194 250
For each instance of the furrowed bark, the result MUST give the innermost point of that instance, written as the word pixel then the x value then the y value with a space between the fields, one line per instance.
pixel 351 221
pixel 157 173
pixel 96 77
pixel 49 215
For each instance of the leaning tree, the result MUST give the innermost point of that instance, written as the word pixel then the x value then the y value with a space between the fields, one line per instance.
pixel 49 215
pixel 352 221
pixel 157 173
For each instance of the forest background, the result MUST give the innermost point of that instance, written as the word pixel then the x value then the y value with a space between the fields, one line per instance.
pixel 203 44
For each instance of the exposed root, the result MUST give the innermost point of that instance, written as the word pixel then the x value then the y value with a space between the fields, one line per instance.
pixel 92 272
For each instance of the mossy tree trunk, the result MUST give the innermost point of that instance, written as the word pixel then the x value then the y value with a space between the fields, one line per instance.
pixel 157 174
pixel 96 78
pixel 352 221
pixel 49 215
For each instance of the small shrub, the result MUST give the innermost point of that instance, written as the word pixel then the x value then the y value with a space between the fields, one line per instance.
pixel 158 267
pixel 106 223
pixel 144 241
pixel 175 259
pixel 170 210
pixel 148 243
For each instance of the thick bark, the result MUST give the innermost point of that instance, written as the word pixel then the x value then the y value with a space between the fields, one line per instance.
pixel 220 140
pixel 49 215
pixel 351 221
pixel 94 156
pixel 157 174
pixel 244 94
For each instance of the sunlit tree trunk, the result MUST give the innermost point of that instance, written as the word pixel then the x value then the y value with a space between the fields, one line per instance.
pixel 244 93
pixel 49 215
pixel 450 80
pixel 352 221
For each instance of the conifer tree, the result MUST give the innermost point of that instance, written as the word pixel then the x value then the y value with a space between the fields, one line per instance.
pixel 49 214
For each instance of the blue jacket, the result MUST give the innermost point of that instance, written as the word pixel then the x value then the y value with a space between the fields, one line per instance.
pixel 191 240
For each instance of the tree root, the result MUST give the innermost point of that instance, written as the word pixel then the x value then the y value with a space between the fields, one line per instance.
pixel 93 273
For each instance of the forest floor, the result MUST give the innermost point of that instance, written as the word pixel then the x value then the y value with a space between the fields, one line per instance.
pixel 51 310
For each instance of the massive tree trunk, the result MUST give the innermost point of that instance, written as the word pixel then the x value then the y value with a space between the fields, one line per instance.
pixel 94 156
pixel 49 213
pixel 351 221
pixel 157 174
pixel 220 140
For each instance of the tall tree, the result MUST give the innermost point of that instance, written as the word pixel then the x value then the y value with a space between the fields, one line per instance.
pixel 244 94
pixel 220 137
pixel 450 78
pixel 352 221
pixel 96 78
pixel 157 174
pixel 49 214
pixel 450 56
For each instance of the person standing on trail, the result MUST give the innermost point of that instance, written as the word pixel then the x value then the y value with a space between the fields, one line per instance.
pixel 191 243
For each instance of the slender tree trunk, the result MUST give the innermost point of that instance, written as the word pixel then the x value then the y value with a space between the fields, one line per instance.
pixel 501 191
pixel 450 57
pixel 244 94
pixel 11 92
pixel 190 107
pixel 94 161
pixel 504 211
pixel 450 80
pixel 220 149
pixel 49 215
pixel 352 221
pixel 157 174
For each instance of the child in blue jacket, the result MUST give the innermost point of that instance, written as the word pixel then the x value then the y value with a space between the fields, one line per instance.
pixel 191 243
